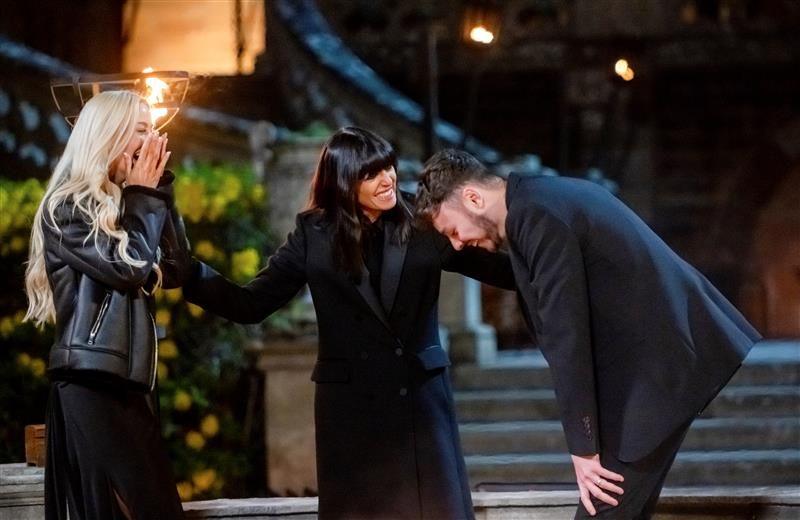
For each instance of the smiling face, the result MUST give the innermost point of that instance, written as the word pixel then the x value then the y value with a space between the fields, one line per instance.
pixel 143 126
pixel 465 228
pixel 378 193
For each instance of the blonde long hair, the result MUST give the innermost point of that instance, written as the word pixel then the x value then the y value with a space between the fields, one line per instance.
pixel 105 126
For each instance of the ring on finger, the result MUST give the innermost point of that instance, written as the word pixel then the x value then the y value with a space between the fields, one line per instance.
pixel 598 481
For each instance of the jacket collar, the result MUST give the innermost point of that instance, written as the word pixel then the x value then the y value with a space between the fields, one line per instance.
pixel 394 254
pixel 368 293
pixel 512 183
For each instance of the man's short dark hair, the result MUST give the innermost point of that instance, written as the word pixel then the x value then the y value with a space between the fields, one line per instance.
pixel 443 174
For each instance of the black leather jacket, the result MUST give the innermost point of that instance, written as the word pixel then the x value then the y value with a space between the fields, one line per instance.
pixel 104 321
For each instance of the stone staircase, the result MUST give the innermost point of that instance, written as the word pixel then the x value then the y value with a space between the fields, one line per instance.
pixel 749 435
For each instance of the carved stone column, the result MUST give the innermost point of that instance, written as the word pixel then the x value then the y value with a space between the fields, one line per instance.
pixel 289 414
pixel 470 339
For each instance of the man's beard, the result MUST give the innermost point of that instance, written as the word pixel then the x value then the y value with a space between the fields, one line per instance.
pixel 492 234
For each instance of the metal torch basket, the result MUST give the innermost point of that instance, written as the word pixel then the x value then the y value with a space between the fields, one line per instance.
pixel 165 91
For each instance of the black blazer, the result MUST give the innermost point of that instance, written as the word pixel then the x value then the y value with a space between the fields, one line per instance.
pixel 637 340
pixel 386 432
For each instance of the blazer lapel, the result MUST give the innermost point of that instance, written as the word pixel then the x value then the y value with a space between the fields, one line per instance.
pixel 394 254
pixel 368 293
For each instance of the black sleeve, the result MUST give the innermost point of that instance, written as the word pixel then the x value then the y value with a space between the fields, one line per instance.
pixel 270 290
pixel 143 216
pixel 560 295
pixel 480 264
pixel 175 262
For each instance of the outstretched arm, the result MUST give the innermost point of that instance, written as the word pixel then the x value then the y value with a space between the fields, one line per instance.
pixel 175 261
pixel 484 266
pixel 270 290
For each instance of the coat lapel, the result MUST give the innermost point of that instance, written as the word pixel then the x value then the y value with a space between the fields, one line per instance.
pixel 394 254
pixel 364 288
pixel 368 293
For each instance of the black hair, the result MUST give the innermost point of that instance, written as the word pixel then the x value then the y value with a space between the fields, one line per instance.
pixel 351 155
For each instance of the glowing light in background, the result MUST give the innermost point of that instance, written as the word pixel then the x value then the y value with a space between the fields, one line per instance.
pixel 481 35
pixel 623 69
pixel 155 94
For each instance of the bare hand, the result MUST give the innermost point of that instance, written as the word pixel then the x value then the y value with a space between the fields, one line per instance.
pixel 595 480
pixel 149 167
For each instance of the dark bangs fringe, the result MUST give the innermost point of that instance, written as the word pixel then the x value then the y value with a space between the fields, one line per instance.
pixel 351 155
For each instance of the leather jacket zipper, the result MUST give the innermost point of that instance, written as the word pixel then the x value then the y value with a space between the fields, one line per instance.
pixel 96 327
pixel 154 371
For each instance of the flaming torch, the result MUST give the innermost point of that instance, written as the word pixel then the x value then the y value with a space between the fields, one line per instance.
pixel 165 91
pixel 155 93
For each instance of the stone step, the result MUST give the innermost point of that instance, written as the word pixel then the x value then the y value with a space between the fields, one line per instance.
pixel 691 468
pixel 503 501
pixel 505 405
pixel 769 363
pixel 687 503
pixel 540 404
pixel 705 434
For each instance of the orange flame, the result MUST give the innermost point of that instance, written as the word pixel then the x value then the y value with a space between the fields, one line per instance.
pixel 481 35
pixel 154 95
pixel 623 69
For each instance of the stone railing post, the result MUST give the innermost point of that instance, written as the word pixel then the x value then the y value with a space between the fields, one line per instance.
pixel 289 414
pixel 470 339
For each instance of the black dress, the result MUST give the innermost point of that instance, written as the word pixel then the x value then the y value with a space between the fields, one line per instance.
pixel 105 456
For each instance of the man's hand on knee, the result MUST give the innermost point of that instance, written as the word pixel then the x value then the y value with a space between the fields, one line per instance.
pixel 595 480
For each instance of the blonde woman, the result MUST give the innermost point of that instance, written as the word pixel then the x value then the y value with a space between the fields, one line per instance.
pixel 104 237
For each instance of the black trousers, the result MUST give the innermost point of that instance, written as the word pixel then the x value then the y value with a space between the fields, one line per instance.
pixel 643 481
pixel 105 456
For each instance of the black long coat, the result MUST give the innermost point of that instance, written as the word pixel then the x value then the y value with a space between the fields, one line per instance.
pixel 638 341
pixel 386 433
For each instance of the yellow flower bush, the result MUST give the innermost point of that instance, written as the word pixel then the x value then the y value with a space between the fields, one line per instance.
pixel 163 317
pixel 181 401
pixel 7 326
pixel 205 250
pixel 167 349
pixel 195 310
pixel 215 206
pixel 257 194
pixel 18 201
pixel 190 196
pixel 172 295
pixel 195 440
pixel 38 367
pixel 35 366
pixel 24 359
pixel 185 490
pixel 162 371
pixel 231 188
pixel 207 192
pixel 245 264
pixel 209 426
pixel 18 244
pixel 204 479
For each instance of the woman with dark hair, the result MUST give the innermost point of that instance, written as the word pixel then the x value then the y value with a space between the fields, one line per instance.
pixel 386 433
